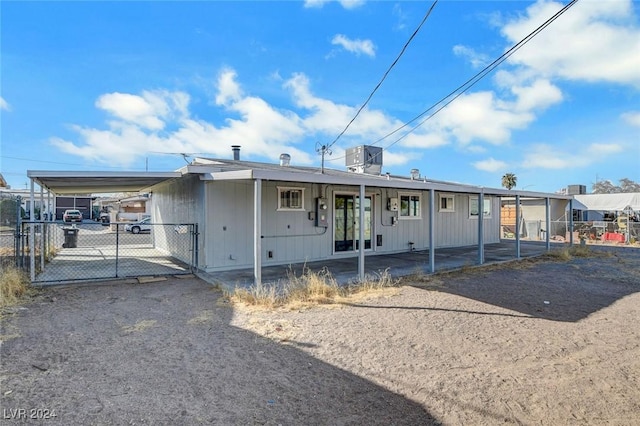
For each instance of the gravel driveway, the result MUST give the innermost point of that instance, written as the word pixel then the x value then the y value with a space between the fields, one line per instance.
pixel 538 342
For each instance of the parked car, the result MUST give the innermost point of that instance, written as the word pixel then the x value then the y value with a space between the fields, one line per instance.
pixel 138 227
pixel 72 216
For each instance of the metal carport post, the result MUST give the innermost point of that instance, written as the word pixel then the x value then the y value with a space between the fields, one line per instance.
pixel 257 230
pixel 361 236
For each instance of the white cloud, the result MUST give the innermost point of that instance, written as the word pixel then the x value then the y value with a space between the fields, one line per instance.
pixel 149 110
pixel 541 94
pixel 477 60
pixel 603 148
pixel 544 156
pixel 228 88
pixel 401 16
pixel 4 105
pixel 592 41
pixel 347 4
pixel 481 116
pixel 490 165
pixel 632 118
pixel 356 46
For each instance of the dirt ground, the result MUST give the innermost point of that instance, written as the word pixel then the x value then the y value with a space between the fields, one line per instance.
pixel 546 342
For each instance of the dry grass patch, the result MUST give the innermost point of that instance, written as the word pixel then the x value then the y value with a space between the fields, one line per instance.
pixel 568 253
pixel 14 285
pixel 203 318
pixel 311 289
pixel 139 326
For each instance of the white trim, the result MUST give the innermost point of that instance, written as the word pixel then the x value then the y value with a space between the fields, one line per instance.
pixel 451 209
pixel 349 253
pixel 282 189
pixel 410 216
pixel 487 200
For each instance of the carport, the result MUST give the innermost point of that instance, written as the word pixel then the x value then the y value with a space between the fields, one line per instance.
pixel 99 257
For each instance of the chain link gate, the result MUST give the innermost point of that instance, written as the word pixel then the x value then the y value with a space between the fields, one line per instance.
pixel 54 252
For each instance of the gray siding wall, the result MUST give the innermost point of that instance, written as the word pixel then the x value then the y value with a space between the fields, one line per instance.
pixel 229 230
pixel 457 229
pixel 291 236
pixel 178 201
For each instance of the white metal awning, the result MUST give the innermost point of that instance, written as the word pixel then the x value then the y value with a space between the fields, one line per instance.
pixel 83 182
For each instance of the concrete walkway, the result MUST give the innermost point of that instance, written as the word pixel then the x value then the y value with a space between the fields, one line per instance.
pixel 345 270
pixel 89 263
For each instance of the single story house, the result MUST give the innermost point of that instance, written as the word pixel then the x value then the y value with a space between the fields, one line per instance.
pixel 250 214
pixel 254 214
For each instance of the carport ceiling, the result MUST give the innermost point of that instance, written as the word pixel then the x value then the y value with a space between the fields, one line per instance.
pixel 67 183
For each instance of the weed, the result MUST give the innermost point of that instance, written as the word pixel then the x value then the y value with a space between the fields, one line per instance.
pixel 309 289
pixel 14 284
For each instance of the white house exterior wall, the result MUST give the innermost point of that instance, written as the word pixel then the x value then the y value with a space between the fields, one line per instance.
pixel 178 201
pixel 291 236
pixel 457 229
pixel 229 225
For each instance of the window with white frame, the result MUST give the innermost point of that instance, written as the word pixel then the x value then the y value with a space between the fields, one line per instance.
pixel 446 203
pixel 409 205
pixel 473 206
pixel 290 198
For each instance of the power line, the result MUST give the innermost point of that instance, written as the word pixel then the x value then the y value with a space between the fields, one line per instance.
pixel 384 76
pixel 456 93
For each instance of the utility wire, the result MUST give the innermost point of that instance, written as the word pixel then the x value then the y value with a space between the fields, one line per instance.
pixel 384 76
pixel 479 76
pixel 456 93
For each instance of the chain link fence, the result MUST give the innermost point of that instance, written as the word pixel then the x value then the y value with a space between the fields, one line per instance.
pixel 591 231
pixel 11 213
pixel 91 250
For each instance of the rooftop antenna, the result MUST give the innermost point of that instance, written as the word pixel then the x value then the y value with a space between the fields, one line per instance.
pixel 322 150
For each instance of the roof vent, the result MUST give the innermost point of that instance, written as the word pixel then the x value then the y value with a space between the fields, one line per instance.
pixel 236 152
pixel 285 160
pixel 415 174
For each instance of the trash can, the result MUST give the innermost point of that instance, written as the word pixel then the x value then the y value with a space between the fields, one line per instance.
pixel 70 237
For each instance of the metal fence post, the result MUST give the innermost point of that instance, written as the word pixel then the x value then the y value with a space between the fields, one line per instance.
pixel 195 252
pixel 17 234
pixel 117 246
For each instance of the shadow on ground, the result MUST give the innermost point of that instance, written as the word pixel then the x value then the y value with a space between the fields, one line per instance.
pixel 166 353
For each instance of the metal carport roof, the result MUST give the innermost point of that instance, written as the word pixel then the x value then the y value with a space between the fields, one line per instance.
pixel 83 182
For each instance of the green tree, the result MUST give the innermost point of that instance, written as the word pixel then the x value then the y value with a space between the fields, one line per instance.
pixel 509 180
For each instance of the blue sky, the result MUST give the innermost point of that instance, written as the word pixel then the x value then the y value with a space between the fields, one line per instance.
pixel 131 85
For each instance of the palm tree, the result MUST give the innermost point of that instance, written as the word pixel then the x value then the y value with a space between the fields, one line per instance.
pixel 509 180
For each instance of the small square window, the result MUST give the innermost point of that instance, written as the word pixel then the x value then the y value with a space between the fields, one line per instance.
pixel 446 203
pixel 290 198
pixel 410 206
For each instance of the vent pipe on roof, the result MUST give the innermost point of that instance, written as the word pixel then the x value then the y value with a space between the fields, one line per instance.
pixel 236 152
pixel 285 160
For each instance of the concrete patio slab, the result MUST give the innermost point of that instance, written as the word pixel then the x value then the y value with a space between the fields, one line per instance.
pixel 345 270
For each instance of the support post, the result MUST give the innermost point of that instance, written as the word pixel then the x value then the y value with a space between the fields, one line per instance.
pixel 41 225
pixel 361 235
pixel 518 227
pixel 570 222
pixel 32 234
pixel 432 214
pixel 257 231
pixel 481 227
pixel 547 206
